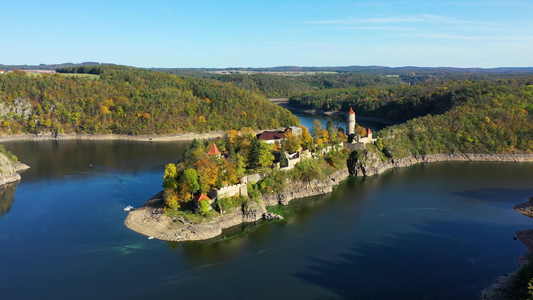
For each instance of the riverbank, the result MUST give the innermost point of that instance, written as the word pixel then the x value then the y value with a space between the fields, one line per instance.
pixel 106 137
pixel 150 219
pixel 372 165
pixel 9 170
pixel 283 102
pixel 501 288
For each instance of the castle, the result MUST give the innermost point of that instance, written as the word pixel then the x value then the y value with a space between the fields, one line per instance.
pixel 355 141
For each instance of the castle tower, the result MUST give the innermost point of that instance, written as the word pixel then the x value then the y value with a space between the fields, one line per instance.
pixel 369 134
pixel 350 122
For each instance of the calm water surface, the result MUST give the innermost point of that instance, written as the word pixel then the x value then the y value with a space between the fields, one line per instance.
pixel 439 231
pixel 308 119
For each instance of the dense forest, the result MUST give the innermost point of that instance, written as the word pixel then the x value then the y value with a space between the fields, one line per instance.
pixel 402 102
pixel 283 86
pixel 483 117
pixel 124 100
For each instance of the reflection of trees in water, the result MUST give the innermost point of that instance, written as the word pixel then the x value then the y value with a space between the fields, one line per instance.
pixel 7 195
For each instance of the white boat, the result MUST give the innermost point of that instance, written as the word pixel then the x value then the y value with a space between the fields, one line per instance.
pixel 150 237
pixel 128 208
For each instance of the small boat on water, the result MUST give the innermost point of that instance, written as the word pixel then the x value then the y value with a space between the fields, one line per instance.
pixel 150 237
pixel 128 208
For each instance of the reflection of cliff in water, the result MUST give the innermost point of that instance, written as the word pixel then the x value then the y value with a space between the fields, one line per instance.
pixel 7 195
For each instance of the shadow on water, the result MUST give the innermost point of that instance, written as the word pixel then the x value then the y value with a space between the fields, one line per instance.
pixel 438 261
pixel 7 196
pixel 496 195
pixel 54 159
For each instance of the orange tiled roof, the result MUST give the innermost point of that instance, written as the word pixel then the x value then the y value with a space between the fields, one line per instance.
pixel 213 150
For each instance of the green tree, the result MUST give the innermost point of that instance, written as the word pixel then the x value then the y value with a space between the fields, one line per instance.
pixel 240 165
pixel 266 158
pixel 317 128
pixel 253 154
pixel 203 206
pixel 190 178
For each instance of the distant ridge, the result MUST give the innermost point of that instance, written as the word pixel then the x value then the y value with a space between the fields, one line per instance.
pixel 381 70
pixel 49 66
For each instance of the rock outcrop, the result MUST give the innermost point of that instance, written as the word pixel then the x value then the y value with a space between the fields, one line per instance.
pixel 525 208
pixel 9 170
pixel 371 164
pixel 151 220
pixel 305 189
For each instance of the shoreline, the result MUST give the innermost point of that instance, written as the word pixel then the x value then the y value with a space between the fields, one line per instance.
pixel 150 220
pixel 284 102
pixel 500 289
pixel 106 137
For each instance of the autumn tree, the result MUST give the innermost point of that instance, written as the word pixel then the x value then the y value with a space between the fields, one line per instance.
pixel 266 158
pixel 207 169
pixel 291 142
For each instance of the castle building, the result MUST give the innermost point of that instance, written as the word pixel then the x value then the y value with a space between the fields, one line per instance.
pixel 356 142
pixel 350 122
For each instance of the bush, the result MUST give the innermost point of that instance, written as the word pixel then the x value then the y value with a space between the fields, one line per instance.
pixel 521 282
pixel 273 182
pixel 308 170
pixel 10 156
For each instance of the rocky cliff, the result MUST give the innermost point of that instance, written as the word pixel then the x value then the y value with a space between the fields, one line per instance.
pixel 305 189
pixel 150 219
pixel 9 170
pixel 370 164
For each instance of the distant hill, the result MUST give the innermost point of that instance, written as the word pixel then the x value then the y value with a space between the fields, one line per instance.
pixel 48 67
pixel 126 100
pixel 377 70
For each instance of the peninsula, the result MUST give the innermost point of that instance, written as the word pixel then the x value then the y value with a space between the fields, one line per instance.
pixel 210 189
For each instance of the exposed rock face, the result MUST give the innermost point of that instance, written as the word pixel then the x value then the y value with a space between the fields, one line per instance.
pixel 370 164
pixel 150 220
pixel 9 170
pixel 305 189
pixel 525 208
pixel 20 107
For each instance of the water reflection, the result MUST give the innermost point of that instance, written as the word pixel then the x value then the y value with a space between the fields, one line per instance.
pixel 52 159
pixel 7 196
pixel 405 268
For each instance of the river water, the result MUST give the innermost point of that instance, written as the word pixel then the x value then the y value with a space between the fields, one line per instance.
pixel 431 231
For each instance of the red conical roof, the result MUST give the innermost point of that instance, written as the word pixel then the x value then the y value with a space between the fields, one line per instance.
pixel 201 197
pixel 351 111
pixel 213 150
pixel 368 131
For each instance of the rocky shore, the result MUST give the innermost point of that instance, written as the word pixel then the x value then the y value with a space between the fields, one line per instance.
pixel 307 189
pixel 501 288
pixel 151 220
pixel 9 171
pixel 372 165
pixel 105 137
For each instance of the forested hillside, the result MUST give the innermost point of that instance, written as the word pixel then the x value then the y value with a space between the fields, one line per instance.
pixel 283 86
pixel 401 102
pixel 484 117
pixel 124 100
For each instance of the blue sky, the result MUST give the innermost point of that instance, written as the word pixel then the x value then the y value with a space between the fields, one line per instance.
pixel 157 33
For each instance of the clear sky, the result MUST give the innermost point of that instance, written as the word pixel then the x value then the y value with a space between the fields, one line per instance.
pixel 231 33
